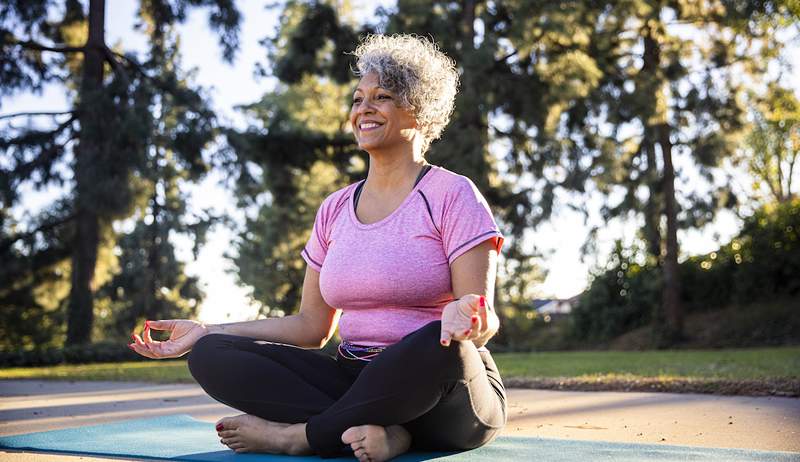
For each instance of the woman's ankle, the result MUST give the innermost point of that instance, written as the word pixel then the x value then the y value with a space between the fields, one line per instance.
pixel 295 439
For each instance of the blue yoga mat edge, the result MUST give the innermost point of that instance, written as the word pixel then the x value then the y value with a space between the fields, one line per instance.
pixel 200 444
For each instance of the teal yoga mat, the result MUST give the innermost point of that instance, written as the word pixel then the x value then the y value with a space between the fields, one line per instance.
pixel 180 437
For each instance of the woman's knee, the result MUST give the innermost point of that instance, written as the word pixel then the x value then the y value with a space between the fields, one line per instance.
pixel 204 358
pixel 425 347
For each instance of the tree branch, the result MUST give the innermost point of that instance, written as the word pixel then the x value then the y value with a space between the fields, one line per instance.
pixel 31 114
pixel 5 244
pixel 130 61
pixel 31 45
pixel 119 70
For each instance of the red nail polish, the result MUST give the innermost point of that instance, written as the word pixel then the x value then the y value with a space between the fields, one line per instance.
pixel 219 427
pixel 483 301
pixel 466 332
pixel 444 343
pixel 474 319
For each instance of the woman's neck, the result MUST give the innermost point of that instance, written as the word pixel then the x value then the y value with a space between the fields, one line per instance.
pixel 392 173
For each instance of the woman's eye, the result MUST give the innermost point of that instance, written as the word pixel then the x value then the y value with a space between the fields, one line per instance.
pixel 384 97
pixel 356 100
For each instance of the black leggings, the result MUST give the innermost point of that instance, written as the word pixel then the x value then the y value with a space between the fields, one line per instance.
pixel 447 398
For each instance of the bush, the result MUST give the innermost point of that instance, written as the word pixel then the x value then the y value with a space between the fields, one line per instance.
pixel 623 297
pixel 78 354
pixel 761 264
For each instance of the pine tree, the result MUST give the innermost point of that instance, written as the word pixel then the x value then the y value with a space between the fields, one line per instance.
pixel 673 76
pixel 297 152
pixel 100 147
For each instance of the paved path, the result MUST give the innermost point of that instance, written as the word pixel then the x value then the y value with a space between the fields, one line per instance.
pixel 684 419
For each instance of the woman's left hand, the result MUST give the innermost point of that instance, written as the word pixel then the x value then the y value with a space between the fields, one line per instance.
pixel 464 319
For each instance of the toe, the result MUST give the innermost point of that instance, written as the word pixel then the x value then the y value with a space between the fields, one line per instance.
pixel 227 433
pixel 353 435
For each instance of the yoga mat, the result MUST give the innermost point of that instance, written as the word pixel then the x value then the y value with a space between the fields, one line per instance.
pixel 180 437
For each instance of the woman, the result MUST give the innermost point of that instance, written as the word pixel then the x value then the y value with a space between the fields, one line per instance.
pixel 407 257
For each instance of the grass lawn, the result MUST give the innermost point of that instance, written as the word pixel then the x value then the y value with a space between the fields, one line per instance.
pixel 733 371
pixel 737 364
pixel 755 371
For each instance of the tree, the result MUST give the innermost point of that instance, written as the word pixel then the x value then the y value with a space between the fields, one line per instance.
pixel 772 146
pixel 297 150
pixel 99 147
pixel 672 79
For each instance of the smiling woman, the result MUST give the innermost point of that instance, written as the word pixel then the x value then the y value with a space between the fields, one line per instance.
pixel 407 259
pixel 421 79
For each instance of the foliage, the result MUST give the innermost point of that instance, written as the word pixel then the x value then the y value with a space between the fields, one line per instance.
pixel 772 146
pixel 296 152
pixel 100 154
pixel 623 296
pixel 759 265
pixel 98 352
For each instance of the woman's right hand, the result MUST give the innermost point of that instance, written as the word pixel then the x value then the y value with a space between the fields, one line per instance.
pixel 183 333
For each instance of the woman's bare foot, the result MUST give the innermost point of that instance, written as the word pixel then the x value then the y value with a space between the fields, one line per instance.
pixel 373 443
pixel 248 433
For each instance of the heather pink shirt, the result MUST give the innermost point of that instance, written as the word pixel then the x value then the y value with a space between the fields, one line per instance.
pixel 392 277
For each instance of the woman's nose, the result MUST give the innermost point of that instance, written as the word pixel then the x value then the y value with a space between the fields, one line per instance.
pixel 365 107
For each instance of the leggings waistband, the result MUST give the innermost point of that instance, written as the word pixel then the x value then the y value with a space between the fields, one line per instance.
pixel 359 352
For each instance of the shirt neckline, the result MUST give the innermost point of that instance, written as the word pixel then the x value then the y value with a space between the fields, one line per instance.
pixel 352 209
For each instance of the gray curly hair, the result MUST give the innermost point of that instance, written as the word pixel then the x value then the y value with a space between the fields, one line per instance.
pixel 413 68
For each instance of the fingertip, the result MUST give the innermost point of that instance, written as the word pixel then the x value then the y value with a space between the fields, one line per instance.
pixel 482 302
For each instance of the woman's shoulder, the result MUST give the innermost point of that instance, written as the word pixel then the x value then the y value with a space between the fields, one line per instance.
pixel 445 183
pixel 336 200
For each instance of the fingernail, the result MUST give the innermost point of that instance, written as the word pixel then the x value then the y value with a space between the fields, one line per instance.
pixel 466 332
pixel 133 337
pixel 147 324
pixel 444 342
pixel 483 301
pixel 474 319
pixel 219 427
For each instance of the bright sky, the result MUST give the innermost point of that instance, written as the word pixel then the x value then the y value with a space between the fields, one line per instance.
pixel 235 84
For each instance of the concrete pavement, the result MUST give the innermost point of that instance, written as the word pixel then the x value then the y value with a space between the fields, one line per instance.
pixel 765 423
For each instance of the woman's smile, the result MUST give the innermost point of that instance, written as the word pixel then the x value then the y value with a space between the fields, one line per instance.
pixel 377 119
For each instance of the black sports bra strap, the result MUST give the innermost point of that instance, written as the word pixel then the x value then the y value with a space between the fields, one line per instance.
pixel 357 193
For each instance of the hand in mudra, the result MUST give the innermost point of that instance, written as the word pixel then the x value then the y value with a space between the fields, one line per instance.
pixel 464 319
pixel 183 333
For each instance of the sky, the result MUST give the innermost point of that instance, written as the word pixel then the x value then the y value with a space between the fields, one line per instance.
pixel 229 85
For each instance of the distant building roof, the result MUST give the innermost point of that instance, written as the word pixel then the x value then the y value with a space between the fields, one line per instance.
pixel 555 306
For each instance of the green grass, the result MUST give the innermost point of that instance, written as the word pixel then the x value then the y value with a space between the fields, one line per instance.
pixel 172 371
pixel 732 364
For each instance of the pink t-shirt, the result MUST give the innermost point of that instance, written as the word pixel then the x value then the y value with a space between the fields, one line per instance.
pixel 392 277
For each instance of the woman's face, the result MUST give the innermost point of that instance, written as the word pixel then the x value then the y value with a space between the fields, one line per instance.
pixel 377 120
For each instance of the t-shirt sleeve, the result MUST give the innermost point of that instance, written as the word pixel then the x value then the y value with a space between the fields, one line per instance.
pixel 467 221
pixel 317 245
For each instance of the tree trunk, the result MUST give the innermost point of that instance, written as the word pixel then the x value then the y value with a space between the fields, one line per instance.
pixel 80 311
pixel 673 308
pixel 658 130
pixel 652 208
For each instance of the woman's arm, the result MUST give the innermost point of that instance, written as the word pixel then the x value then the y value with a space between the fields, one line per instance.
pixel 312 327
pixel 474 272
